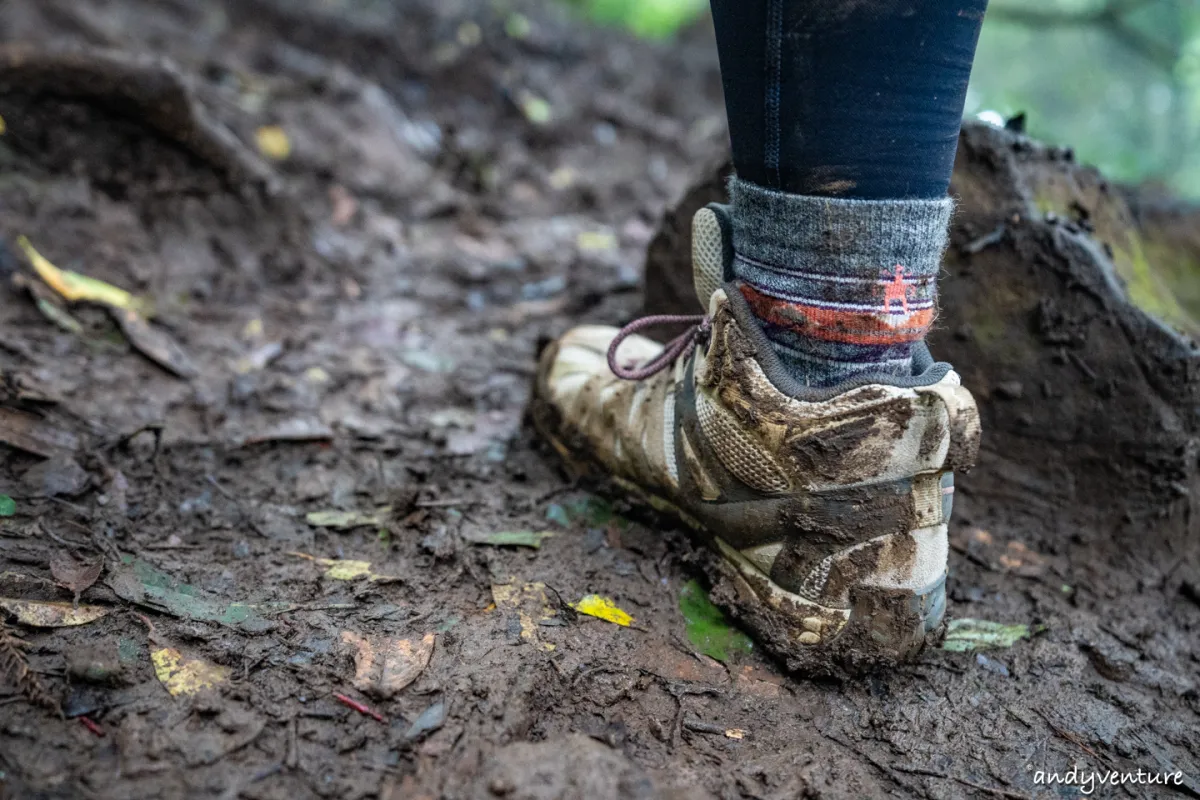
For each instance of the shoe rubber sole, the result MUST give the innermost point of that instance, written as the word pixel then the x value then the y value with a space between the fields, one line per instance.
pixel 881 627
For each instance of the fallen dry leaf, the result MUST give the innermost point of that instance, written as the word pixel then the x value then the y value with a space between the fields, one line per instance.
pixel 273 142
pixel 75 287
pixel 342 569
pixel 509 538
pixel 384 666
pixel 183 675
pixel 74 574
pixel 128 311
pixel 154 343
pixel 33 434
pixel 44 614
pixel 142 583
pixel 344 520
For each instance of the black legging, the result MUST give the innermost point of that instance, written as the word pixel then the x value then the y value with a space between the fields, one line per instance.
pixel 846 98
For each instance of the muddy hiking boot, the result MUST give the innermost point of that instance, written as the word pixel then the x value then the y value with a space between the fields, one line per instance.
pixel 824 510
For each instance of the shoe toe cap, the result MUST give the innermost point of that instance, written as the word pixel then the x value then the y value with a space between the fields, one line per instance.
pixel 581 355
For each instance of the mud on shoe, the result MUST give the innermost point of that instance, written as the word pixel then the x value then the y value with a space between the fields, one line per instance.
pixel 824 511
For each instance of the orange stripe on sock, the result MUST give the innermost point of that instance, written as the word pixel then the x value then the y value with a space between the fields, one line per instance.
pixel 840 325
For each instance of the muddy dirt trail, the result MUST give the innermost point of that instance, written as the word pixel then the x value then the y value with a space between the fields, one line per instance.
pixel 315 549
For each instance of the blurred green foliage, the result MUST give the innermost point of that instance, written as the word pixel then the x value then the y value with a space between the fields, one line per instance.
pixel 1118 80
pixel 654 19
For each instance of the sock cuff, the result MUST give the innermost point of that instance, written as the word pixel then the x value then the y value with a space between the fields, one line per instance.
pixel 838 235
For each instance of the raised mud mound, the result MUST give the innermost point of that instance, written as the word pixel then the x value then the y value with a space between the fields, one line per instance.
pixel 1068 306
pixel 465 181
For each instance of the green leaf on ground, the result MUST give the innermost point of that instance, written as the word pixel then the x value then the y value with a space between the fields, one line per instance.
pixel 143 584
pixel 593 512
pixel 510 538
pixel 8 506
pixel 963 635
pixel 707 629
pixel 556 513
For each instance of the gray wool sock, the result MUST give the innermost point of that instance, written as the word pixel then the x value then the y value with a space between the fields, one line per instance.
pixel 841 286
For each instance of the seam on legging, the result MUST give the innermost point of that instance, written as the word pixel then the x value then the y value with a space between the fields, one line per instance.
pixel 774 89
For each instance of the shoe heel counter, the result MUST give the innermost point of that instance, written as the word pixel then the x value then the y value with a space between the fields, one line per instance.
pixel 964 425
pixel 894 586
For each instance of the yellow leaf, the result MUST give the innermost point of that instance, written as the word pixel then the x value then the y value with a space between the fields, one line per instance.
pixel 596 241
pixel 182 675
pixel 316 375
pixel 75 287
pixel 40 614
pixel 469 34
pixel 601 607
pixel 562 178
pixel 3 127
pixel 345 569
pixel 273 142
pixel 253 329
pixel 535 108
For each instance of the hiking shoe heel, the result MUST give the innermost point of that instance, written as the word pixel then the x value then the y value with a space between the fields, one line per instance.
pixel 824 510
pixel 899 622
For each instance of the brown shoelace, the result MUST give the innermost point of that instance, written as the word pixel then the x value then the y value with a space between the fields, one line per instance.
pixel 681 346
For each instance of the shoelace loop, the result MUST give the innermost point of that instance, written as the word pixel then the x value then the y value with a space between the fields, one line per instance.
pixel 681 346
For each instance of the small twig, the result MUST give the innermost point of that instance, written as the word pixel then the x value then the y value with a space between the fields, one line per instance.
pixel 292 756
pixel 919 771
pixel 63 542
pixel 986 241
pixel 447 503
pixel 151 631
pixel 988 789
pixel 92 726
pixel 555 492
pixel 1078 361
pixel 266 772
pixel 77 509
pixel 359 707
pixel 1062 733
pixel 693 724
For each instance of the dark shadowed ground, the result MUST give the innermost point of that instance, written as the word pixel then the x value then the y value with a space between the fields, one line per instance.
pixel 357 325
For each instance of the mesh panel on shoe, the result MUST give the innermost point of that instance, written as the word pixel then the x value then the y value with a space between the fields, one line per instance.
pixel 814 583
pixel 708 254
pixel 748 460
